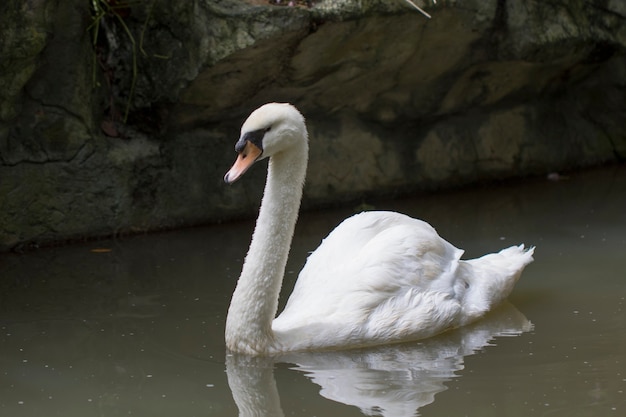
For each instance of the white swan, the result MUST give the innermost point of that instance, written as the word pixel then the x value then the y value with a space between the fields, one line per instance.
pixel 378 278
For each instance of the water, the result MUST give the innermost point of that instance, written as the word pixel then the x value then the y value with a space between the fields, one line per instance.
pixel 135 326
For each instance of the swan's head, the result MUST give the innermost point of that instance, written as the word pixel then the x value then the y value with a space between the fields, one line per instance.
pixel 269 130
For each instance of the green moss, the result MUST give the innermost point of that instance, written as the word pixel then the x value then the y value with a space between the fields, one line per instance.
pixel 22 37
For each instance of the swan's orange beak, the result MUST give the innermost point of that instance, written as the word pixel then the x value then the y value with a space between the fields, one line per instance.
pixel 245 159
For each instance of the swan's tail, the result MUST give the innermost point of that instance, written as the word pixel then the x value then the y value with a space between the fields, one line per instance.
pixel 491 278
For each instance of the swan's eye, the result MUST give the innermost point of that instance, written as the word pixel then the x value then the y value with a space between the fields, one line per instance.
pixel 267 129
pixel 255 137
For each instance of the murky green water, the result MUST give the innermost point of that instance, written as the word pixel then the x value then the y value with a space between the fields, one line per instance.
pixel 138 330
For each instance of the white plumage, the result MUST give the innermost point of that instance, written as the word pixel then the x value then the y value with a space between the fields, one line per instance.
pixel 379 277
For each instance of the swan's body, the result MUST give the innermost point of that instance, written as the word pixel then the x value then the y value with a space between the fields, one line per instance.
pixel 379 277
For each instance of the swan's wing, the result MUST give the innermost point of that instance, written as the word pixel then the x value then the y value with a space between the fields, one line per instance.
pixel 377 254
pixel 377 275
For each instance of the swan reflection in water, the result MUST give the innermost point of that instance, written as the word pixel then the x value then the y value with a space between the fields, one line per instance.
pixel 394 380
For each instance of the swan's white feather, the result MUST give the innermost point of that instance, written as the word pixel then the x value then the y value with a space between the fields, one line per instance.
pixel 384 276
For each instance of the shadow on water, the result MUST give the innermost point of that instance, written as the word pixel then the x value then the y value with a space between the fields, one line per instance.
pixel 390 381
pixel 135 326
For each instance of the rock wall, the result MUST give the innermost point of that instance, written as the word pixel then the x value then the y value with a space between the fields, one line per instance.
pixel 117 119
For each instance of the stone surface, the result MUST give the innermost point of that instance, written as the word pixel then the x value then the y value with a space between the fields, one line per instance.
pixel 132 130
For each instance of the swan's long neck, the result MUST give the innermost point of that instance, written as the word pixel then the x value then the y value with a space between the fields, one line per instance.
pixel 255 300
